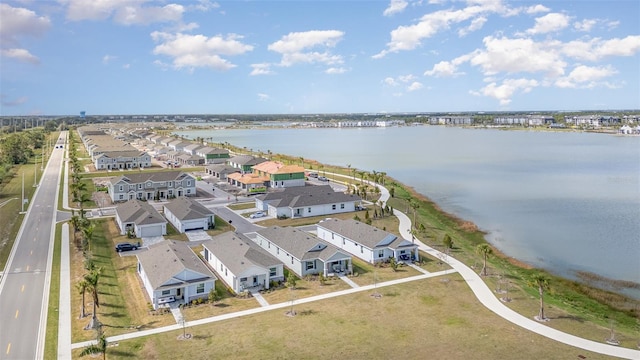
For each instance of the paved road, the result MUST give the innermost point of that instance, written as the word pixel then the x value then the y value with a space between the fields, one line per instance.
pixel 24 288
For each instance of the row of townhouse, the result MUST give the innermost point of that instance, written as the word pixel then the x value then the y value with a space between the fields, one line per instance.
pixel 170 269
pixel 178 149
pixel 109 153
pixel 151 186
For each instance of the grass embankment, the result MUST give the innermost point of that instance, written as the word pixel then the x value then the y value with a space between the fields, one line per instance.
pixel 424 319
pixel 53 314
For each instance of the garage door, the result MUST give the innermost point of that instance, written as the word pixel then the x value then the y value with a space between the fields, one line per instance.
pixel 193 225
pixel 149 231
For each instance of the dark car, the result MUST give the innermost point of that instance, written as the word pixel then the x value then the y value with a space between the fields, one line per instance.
pixel 126 247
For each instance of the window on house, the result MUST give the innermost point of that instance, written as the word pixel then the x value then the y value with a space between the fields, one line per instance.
pixel 188 182
pixel 361 249
pixel 121 197
pixel 200 288
pixel 166 292
pixel 139 186
pixel 188 191
pixel 333 207
pixel 221 268
pixel 341 206
pixel 343 241
pixel 243 279
pixel 278 251
pixel 121 188
pixel 381 254
pixel 308 210
pixel 311 265
pixel 292 259
pixel 170 183
pixel 273 271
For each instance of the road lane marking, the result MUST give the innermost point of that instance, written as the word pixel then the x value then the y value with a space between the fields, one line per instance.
pixel 27 268
pixel 17 312
pixel 31 253
pixel 8 348
pixel 22 290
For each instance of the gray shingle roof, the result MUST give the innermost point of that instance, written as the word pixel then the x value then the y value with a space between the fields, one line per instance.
pixel 187 209
pixel 141 177
pixel 238 253
pixel 367 235
pixel 301 244
pixel 139 213
pixel 246 160
pixel 310 195
pixel 166 259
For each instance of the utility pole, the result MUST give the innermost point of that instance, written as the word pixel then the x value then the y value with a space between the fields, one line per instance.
pixel 35 171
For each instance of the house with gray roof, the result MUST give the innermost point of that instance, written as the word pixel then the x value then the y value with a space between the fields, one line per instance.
pixel 171 270
pixel 245 163
pixel 187 214
pixel 213 155
pixel 240 263
pixel 192 148
pixel 302 252
pixel 140 219
pixel 151 185
pixel 220 171
pixel 306 201
pixel 187 159
pixel 366 242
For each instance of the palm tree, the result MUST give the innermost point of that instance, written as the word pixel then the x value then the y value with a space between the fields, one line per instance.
pixel 484 250
pixel 542 282
pixel 414 205
pixel 82 287
pixel 92 279
pixel 349 171
pixel 99 347
pixel 301 160
pixel 88 231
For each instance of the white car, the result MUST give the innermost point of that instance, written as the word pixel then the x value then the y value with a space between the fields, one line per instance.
pixel 257 215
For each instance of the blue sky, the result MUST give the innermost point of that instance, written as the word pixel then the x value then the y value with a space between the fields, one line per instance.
pixel 230 57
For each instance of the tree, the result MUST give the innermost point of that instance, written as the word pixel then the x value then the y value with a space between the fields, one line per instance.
pixel 88 231
pixel 393 263
pixel 82 286
pixel 542 282
pixel 484 250
pixel 447 241
pixel 291 280
pixel 99 347
pixel 214 296
pixel 93 278
pixel 392 191
pixel 414 205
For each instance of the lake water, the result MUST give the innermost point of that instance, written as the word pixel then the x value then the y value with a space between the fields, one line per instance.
pixel 559 201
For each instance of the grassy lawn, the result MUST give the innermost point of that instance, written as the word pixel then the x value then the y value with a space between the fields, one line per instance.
pixel 388 223
pixel 423 319
pixel 305 287
pixel 242 206
pixel 368 274
pixel 228 304
pixel 53 315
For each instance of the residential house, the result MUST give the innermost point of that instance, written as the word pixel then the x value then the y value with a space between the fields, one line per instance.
pixel 187 159
pixel 306 201
pixel 151 185
pixel 178 145
pixel 171 269
pixel 240 263
pixel 140 219
pixel 250 183
pixel 365 241
pixel 280 175
pixel 302 252
pixel 187 214
pixel 193 148
pixel 220 171
pixel 213 155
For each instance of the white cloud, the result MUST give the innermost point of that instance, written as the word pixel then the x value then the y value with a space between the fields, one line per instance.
pixel 335 70
pixel 597 48
pixel 261 69
pixel 390 81
pixel 297 47
pixel 4 100
pixel 193 51
pixel 410 37
pixel 263 97
pixel 506 55
pixel 585 76
pixel 204 5
pixel 406 78
pixel 126 66
pixel 108 58
pixel 395 6
pixel 535 9
pixel 549 23
pixel 415 86
pixel 125 12
pixel 507 89
pixel 476 24
pixel 17 23
pixel 448 68
pixel 22 55
pixel 585 25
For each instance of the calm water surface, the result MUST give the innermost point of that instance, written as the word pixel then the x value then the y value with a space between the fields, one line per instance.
pixel 560 201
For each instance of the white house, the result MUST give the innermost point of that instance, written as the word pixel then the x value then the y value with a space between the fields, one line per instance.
pixel 365 241
pixel 303 252
pixel 140 218
pixel 171 269
pixel 131 159
pixel 305 201
pixel 187 214
pixel 240 263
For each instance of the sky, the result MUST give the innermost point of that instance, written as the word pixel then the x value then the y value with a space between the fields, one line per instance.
pixel 304 57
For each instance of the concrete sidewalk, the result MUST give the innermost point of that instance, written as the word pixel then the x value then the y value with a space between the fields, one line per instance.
pixel 64 314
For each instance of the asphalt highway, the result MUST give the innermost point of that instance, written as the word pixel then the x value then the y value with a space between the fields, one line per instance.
pixel 24 287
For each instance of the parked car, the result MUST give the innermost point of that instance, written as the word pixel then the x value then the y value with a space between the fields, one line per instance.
pixel 126 247
pixel 257 214
pixel 322 178
pixel 313 175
